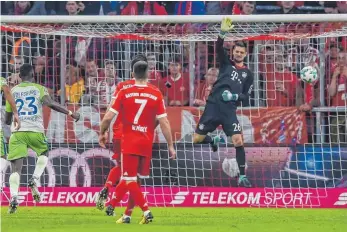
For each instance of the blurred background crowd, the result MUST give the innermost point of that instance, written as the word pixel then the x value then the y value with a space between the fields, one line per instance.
pixel 93 66
pixel 170 7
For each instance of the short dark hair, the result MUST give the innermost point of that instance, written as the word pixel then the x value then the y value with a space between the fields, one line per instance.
pixel 138 57
pixel 25 71
pixel 240 44
pixel 140 70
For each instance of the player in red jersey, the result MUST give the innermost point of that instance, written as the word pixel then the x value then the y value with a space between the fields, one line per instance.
pixel 115 173
pixel 138 107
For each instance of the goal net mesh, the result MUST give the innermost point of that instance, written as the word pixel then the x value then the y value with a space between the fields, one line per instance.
pixel 293 156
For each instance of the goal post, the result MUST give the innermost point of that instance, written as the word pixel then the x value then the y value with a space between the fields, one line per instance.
pixel 294 159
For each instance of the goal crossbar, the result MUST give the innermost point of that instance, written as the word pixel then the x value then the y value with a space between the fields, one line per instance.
pixel 184 28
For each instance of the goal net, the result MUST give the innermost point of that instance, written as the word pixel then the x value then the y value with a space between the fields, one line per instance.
pixel 296 156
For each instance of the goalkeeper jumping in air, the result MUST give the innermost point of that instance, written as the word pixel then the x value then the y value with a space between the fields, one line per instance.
pixel 234 84
pixel 29 98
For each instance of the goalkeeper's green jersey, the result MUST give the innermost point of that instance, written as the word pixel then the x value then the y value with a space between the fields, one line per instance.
pixel 28 97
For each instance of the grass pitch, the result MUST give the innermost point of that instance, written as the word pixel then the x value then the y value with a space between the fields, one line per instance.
pixel 65 219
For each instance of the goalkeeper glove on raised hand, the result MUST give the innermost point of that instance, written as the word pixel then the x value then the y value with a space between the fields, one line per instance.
pixel 228 96
pixel 226 26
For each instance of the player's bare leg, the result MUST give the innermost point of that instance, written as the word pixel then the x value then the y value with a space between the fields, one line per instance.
pixel 112 179
pixel 206 139
pixel 241 160
pixel 14 181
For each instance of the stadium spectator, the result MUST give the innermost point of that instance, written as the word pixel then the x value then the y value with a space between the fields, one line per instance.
pixel 74 8
pixel 144 8
pixel 331 61
pixel 74 87
pixel 190 8
pixel 288 7
pixel 280 83
pixel 155 77
pixel 21 46
pixel 213 7
pixel 18 7
pixel 342 7
pixel 204 89
pixel 244 8
pixel 14 79
pixel 175 87
pixel 338 91
pixel 106 86
pixel 330 7
pixel 40 73
pixel 302 54
pixel 92 70
pixel 93 78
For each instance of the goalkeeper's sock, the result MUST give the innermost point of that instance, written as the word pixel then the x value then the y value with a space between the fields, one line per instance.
pixel 14 184
pixel 135 190
pixel 241 159
pixel 40 166
pixel 113 177
pixel 120 191
pixel 131 202
pixel 207 140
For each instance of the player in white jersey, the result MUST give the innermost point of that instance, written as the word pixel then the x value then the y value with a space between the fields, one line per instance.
pixel 5 91
pixel 29 98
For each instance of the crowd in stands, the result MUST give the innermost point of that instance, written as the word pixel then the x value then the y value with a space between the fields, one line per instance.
pixel 93 66
pixel 169 7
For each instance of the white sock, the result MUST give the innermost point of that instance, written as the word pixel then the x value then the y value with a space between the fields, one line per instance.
pixel 40 166
pixel 3 165
pixel 146 212
pixel 14 184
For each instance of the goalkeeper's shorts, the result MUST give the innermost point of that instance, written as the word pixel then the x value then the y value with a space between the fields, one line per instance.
pixel 22 140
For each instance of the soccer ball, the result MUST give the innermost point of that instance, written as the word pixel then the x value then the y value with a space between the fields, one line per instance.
pixel 230 167
pixel 309 74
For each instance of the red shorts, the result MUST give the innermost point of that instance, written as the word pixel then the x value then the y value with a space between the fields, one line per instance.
pixel 134 166
pixel 116 149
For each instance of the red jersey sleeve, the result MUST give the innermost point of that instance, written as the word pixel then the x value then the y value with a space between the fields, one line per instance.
pixel 115 108
pixel 161 111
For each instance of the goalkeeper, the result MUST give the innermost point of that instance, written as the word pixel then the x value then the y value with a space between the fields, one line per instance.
pixel 234 84
pixel 29 98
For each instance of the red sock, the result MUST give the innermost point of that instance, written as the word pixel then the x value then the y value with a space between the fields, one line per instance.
pixel 131 203
pixel 113 177
pixel 135 190
pixel 120 191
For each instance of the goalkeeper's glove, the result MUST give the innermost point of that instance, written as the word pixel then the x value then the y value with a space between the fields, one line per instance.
pixel 226 26
pixel 228 96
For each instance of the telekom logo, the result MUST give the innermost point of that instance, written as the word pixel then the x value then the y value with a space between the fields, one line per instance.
pixel 342 200
pixel 179 198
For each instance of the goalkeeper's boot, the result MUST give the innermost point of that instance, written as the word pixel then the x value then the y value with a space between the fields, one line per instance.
pixel 214 143
pixel 102 197
pixel 110 211
pixel 12 208
pixel 147 218
pixel 244 182
pixel 34 190
pixel 123 220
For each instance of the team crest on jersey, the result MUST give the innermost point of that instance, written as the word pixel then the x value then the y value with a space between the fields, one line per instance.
pixel 182 88
pixel 201 126
pixel 244 74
